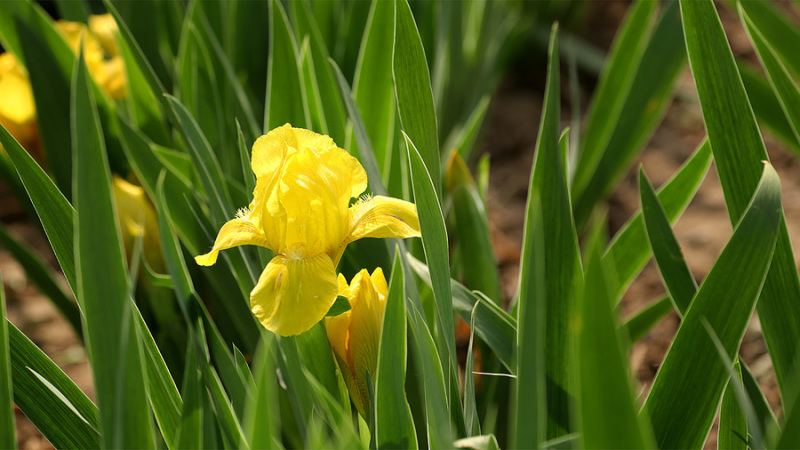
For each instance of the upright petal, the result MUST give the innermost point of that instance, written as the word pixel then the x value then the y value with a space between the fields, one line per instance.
pixel 294 294
pixel 383 217
pixel 271 149
pixel 315 198
pixel 235 232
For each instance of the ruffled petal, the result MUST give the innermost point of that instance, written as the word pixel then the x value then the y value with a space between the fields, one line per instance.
pixel 235 232
pixel 294 294
pixel 383 217
pixel 271 149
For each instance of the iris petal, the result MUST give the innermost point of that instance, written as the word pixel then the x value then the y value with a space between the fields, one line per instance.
pixel 383 217
pixel 235 232
pixel 293 294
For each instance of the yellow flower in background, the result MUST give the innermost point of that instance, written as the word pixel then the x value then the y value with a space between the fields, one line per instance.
pixel 301 211
pixel 17 106
pixel 356 334
pixel 17 109
pixel 100 50
pixel 138 220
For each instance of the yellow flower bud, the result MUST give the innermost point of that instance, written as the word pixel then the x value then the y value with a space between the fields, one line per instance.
pixel 138 220
pixel 356 334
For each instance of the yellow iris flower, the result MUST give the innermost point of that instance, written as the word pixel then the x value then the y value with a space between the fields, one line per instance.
pixel 138 220
pixel 356 334
pixel 301 211
pixel 100 50
pixel 17 109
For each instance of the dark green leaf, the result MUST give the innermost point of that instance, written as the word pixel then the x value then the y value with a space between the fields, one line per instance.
pixel 340 306
pixel 782 82
pixel 103 291
pixel 6 385
pixel 58 408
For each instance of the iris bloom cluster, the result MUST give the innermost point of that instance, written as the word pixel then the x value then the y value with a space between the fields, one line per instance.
pixel 101 52
pixel 301 210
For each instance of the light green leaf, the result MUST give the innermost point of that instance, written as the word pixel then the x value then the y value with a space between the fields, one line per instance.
pixel 413 91
pixel 434 242
pixel 394 425
pixel 373 87
pixel 687 389
pixel 165 400
pixel 262 418
pixel 608 410
pixel 548 185
pixel 612 90
pixel 470 405
pixel 628 251
pixel 492 324
pixel 190 429
pixel 738 153
pixel 643 107
pixel 732 423
pixel 673 269
pixel 440 429
pixel 286 96
pixel 640 324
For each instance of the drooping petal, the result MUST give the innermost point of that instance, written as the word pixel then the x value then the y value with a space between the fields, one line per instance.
pixel 383 217
pixel 235 232
pixel 293 294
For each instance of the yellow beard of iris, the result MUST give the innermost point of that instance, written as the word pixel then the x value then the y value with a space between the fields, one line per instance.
pixel 301 211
